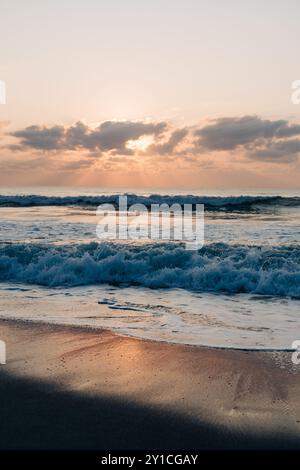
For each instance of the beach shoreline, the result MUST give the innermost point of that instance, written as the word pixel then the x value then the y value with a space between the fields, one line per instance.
pixel 66 387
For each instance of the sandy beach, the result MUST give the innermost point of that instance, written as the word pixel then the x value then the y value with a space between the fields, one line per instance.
pixel 67 388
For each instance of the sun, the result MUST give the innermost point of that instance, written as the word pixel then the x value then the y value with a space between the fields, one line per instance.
pixel 140 144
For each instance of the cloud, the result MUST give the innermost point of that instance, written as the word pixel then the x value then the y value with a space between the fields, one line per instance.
pixel 288 130
pixel 41 138
pixel 228 139
pixel 279 151
pixel 168 147
pixel 114 135
pixel 108 136
pixel 231 133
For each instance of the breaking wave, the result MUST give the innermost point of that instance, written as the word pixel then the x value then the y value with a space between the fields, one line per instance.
pixel 211 202
pixel 216 268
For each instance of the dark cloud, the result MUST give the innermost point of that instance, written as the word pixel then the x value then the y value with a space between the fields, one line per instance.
pixel 248 136
pixel 168 147
pixel 288 130
pixel 282 151
pixel 41 138
pixel 230 133
pixel 112 135
pixel 77 136
pixel 109 136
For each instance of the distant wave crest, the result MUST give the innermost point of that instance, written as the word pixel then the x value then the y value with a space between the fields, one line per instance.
pixel 211 202
pixel 215 268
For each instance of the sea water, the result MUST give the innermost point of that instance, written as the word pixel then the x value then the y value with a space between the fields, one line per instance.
pixel 241 290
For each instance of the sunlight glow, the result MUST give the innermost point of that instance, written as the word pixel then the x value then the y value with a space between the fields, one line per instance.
pixel 140 144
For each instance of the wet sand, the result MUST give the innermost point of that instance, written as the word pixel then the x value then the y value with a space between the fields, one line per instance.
pixel 67 388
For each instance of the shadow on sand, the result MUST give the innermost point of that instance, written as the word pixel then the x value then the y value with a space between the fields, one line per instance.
pixel 36 415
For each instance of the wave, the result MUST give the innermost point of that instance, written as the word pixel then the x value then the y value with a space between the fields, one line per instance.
pixel 220 268
pixel 211 202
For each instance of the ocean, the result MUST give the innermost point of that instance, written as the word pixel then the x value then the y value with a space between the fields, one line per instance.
pixel 240 290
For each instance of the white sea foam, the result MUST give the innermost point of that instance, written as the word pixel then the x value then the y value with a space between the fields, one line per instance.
pixel 176 315
pixel 219 267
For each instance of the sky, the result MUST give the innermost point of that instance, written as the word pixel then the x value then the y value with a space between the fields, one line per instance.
pixel 163 93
